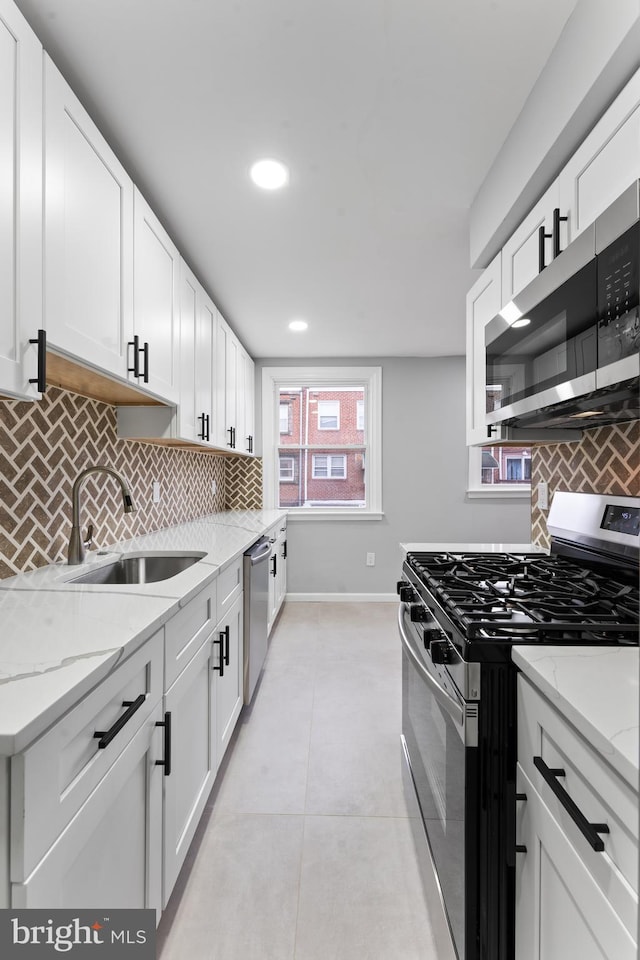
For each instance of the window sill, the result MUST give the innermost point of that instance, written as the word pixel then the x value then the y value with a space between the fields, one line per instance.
pixel 309 513
pixel 499 493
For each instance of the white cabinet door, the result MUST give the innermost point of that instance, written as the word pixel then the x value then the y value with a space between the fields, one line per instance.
pixel 483 302
pixel 110 853
pixel 606 163
pixel 88 246
pixel 560 910
pixel 220 436
pixel 521 254
pixel 187 428
pixel 156 304
pixel 190 701
pixel 228 666
pixel 206 321
pixel 20 203
pixel 246 403
pixel 232 348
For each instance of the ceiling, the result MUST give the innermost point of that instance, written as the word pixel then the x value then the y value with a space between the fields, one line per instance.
pixel 388 113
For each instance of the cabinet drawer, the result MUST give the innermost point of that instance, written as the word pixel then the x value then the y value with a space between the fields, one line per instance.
pixel 186 632
pixel 111 851
pixel 52 778
pixel 229 587
pixel 595 787
pixel 561 909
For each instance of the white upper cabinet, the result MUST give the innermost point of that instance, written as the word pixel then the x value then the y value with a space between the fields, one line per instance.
pixel 607 162
pixel 198 317
pixel 483 303
pixel 205 340
pixel 531 246
pixel 88 245
pixel 20 204
pixel 156 305
pixel 246 403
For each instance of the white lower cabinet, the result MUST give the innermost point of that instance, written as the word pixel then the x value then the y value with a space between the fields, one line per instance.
pixel 191 703
pixel 111 851
pixel 228 667
pixel 572 900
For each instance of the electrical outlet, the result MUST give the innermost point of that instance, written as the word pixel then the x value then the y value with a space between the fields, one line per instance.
pixel 156 492
pixel 371 559
pixel 543 496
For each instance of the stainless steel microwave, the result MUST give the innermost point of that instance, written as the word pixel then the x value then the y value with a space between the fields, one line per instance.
pixel 564 351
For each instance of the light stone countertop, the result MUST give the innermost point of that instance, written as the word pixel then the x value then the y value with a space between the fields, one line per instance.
pixel 471 548
pixel 596 689
pixel 59 639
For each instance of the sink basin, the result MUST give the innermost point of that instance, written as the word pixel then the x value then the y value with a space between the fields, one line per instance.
pixel 149 568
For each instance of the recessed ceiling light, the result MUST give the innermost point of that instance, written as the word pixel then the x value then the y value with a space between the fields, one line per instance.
pixel 269 174
pixel 523 322
pixel 298 325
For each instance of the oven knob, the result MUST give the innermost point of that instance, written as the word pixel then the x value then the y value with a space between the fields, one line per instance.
pixel 418 613
pixel 407 593
pixel 441 651
pixel 430 634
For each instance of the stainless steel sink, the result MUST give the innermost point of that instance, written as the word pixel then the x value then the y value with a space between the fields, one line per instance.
pixel 149 568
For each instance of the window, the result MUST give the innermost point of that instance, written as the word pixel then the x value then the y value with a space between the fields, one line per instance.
pixel 329 461
pixel 328 414
pixel 496 471
pixel 287 470
pixel 329 466
pixel 285 417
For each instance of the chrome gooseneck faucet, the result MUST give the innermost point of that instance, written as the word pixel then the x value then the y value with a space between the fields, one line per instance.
pixel 75 552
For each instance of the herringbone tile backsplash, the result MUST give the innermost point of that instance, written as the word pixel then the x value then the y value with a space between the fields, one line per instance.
pixel 606 460
pixel 43 447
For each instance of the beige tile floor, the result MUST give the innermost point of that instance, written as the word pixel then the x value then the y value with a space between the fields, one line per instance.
pixel 305 850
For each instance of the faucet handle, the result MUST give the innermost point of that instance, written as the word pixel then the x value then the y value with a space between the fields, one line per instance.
pixel 89 541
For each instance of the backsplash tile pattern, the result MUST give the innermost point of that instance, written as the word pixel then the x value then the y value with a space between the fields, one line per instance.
pixel 244 483
pixel 606 460
pixel 43 447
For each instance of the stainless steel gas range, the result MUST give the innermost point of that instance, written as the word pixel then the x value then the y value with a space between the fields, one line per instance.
pixel 460 614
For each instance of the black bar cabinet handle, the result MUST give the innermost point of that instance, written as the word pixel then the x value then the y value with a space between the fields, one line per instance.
pixel 202 434
pixel 231 431
pixel 274 564
pixel 220 640
pixel 208 437
pixel 226 645
pixel 284 550
pixel 557 220
pixel 166 763
pixel 105 737
pixel 542 236
pixel 135 343
pixel 249 444
pixel 41 379
pixel 588 830
pixel 145 369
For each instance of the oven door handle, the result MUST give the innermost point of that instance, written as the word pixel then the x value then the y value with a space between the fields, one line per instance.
pixel 446 701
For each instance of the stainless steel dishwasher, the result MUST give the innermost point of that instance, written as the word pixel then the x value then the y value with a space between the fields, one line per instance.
pixel 256 608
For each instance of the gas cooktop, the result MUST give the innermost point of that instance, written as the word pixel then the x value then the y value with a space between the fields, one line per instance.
pixel 529 597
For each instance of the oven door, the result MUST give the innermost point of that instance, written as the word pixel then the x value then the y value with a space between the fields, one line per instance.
pixel 438 729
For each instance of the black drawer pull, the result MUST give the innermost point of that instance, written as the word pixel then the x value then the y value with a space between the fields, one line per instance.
pixel 588 830
pixel 105 737
pixel 41 379
pixel 135 343
pixel 557 220
pixel 221 638
pixel 166 763
pixel 542 236
pixel 145 369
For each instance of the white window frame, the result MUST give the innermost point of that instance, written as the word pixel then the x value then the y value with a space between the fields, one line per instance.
pixel 328 378
pixel 359 414
pixel 292 461
pixel 329 475
pixel 491 491
pixel 337 414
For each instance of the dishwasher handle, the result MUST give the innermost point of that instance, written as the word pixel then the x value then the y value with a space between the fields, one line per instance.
pixel 259 552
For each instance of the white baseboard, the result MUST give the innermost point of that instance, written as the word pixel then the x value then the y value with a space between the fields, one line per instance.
pixel 341 597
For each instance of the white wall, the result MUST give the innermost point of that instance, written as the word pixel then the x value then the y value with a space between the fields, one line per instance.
pixel 423 484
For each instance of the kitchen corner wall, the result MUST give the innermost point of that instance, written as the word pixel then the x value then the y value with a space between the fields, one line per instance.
pixel 43 447
pixel 606 460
